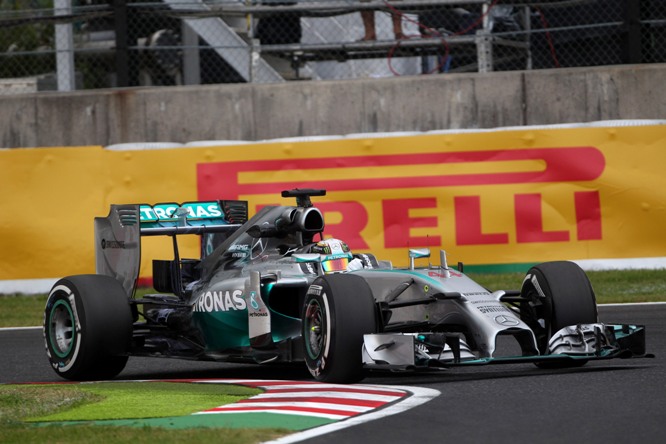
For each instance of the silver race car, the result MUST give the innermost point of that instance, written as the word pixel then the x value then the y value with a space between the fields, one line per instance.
pixel 273 289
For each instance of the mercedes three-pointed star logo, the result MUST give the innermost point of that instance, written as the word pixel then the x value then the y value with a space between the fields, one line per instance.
pixel 507 321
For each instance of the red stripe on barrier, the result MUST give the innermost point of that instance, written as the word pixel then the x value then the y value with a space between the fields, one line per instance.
pixel 561 164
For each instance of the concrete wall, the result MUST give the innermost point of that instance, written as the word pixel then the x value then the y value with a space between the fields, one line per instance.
pixel 256 112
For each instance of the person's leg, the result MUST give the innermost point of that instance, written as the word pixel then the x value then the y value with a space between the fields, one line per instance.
pixel 368 18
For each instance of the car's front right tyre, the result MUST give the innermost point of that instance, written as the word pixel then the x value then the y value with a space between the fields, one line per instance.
pixel 556 295
pixel 338 310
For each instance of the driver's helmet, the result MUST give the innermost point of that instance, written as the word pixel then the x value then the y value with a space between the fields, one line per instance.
pixel 335 255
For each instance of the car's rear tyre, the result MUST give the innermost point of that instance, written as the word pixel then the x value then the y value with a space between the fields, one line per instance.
pixel 87 327
pixel 339 309
pixel 557 294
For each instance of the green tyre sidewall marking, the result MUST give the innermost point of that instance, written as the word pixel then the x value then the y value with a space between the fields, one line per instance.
pixel 308 326
pixel 54 342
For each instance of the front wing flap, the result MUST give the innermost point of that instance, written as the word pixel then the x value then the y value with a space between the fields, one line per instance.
pixel 413 351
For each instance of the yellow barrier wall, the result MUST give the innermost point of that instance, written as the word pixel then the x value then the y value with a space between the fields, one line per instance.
pixel 492 197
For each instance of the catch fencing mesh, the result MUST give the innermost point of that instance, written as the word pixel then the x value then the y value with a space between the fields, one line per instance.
pixel 87 44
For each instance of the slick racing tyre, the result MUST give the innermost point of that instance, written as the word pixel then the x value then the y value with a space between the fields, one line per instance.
pixel 556 294
pixel 339 309
pixel 87 327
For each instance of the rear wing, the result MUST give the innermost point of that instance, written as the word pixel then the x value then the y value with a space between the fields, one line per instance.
pixel 118 235
pixel 192 217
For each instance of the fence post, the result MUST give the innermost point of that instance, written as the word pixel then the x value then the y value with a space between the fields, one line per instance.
pixel 484 41
pixel 632 48
pixel 122 47
pixel 64 43
pixel 191 59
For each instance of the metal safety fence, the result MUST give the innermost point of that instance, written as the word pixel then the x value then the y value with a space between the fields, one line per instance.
pixel 85 44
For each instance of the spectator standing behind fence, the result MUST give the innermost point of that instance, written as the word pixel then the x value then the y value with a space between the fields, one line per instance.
pixel 368 17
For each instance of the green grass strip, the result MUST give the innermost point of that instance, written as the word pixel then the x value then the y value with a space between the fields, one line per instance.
pixel 85 434
pixel 38 402
pixel 133 400
pixel 616 286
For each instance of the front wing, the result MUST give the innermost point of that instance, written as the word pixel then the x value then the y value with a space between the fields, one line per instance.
pixel 584 342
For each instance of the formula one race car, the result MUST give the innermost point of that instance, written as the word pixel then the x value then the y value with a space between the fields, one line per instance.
pixel 265 291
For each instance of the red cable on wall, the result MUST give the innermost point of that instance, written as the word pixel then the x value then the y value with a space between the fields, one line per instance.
pixel 549 38
pixel 435 32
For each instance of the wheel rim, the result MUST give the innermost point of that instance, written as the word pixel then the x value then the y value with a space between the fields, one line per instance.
pixel 61 328
pixel 314 329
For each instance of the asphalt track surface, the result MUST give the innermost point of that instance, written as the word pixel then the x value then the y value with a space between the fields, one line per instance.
pixel 605 401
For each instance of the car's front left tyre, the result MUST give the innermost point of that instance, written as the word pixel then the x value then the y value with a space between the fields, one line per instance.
pixel 87 327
